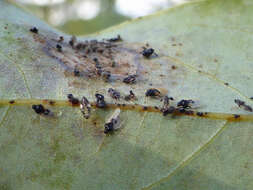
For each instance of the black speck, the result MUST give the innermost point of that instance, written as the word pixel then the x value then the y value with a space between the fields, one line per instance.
pixel 200 114
pixel 76 72
pixel 34 30
pixel 226 83
pixel 236 116
pixel 59 48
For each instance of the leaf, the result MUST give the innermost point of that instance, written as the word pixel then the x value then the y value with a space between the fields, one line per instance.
pixel 200 46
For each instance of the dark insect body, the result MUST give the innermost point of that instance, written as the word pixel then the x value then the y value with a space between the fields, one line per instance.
pixel 131 96
pixel 148 52
pixel 114 93
pixel 242 104
pixel 152 92
pixel 185 103
pixel 39 109
pixel 100 102
pixel 73 100
pixel 34 30
pixel 85 107
pixel 131 79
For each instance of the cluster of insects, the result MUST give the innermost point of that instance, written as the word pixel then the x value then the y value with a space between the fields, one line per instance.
pixel 102 64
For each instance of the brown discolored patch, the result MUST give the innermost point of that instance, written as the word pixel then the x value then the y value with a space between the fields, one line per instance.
pixel 215 60
pixel 96 59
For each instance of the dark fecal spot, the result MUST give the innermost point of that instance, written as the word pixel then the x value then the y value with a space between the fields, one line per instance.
pixel 173 67
pixel 200 114
pixel 51 102
pixel 226 83
pixel 236 116
pixel 123 105
pixel 251 98
pixel 118 105
pixel 174 44
pixel 156 108
pixel 11 101
pixel 34 30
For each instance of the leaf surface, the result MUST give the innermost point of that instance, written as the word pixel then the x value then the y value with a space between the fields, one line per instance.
pixel 201 46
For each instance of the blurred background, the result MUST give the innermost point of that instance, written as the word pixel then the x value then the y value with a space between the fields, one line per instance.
pixel 79 17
